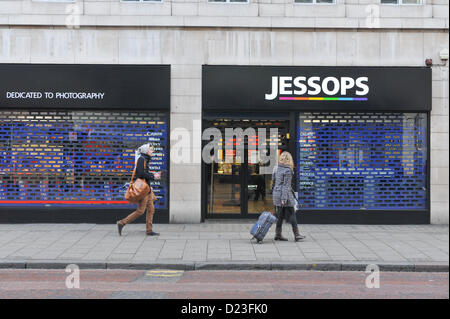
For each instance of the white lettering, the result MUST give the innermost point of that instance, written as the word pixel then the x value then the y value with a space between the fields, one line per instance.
pixel 346 83
pixel 193 309
pixel 80 95
pixel 361 85
pixel 373 280
pixel 212 146
pixel 301 85
pixel 274 93
pixel 312 83
pixel 298 84
pixel 73 280
pixel 284 85
pixel 335 85
pixel 23 95
pixel 180 152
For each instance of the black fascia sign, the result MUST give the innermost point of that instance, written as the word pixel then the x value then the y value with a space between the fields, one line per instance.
pixel 66 86
pixel 285 88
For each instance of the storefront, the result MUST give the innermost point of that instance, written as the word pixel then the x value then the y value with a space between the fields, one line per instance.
pixel 68 135
pixel 359 137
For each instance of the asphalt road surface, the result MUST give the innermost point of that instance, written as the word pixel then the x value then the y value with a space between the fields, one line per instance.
pixel 170 284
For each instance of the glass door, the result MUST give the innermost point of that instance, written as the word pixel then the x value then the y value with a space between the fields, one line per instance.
pixel 236 185
pixel 224 187
pixel 259 186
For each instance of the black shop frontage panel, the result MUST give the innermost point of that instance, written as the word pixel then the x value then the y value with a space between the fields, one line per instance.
pixel 68 135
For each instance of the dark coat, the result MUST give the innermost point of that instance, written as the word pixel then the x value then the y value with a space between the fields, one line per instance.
pixel 142 169
pixel 282 190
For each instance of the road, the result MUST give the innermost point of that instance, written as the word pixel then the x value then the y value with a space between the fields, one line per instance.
pixel 170 284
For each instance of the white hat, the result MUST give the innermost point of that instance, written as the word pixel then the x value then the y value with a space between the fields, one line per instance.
pixel 143 149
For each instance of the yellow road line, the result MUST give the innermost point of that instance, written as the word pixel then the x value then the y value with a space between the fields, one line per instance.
pixel 164 273
pixel 177 275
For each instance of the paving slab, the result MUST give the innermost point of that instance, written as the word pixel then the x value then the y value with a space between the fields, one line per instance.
pixel 222 244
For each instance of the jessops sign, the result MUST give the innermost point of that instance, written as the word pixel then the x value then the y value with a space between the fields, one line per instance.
pixel 84 86
pixel 302 88
pixel 316 88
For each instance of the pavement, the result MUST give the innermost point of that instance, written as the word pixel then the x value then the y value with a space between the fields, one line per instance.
pixel 225 245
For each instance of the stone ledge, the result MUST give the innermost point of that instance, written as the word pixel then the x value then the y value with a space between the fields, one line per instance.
pixel 225 22
pixel 147 266
pixel 38 264
pixel 191 266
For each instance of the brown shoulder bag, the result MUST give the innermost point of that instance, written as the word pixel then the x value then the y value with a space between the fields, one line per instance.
pixel 137 189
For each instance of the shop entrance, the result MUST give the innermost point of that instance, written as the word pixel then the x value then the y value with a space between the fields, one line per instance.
pixel 239 187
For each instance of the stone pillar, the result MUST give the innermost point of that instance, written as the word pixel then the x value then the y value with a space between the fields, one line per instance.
pixel 439 147
pixel 185 157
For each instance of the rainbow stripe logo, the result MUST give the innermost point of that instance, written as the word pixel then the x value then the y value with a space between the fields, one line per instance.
pixel 292 98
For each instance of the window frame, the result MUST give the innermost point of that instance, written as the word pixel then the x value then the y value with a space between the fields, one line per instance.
pixel 315 3
pixel 141 1
pixel 56 1
pixel 228 2
pixel 400 3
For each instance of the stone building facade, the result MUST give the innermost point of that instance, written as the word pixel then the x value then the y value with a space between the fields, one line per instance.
pixel 187 34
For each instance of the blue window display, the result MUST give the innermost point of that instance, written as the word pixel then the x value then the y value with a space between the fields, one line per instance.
pixel 373 161
pixel 77 158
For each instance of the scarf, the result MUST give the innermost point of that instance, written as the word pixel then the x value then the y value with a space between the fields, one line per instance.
pixel 142 151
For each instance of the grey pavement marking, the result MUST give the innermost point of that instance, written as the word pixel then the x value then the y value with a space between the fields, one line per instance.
pixel 150 245
pixel 172 249
pixel 195 250
pixel 54 248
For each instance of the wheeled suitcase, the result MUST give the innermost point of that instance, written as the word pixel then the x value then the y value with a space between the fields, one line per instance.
pixel 262 226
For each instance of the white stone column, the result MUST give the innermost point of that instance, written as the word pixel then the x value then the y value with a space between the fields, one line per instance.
pixel 439 148
pixel 185 161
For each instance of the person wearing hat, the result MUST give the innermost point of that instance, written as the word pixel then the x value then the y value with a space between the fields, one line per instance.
pixel 144 154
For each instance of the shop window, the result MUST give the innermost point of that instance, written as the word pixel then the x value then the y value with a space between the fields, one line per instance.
pixel 362 160
pixel 77 158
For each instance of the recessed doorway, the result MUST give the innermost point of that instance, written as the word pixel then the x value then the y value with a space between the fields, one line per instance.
pixel 238 187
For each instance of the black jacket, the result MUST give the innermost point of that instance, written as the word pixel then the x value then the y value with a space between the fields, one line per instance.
pixel 142 169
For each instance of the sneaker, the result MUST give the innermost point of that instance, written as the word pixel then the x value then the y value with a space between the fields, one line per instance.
pixel 152 234
pixel 119 228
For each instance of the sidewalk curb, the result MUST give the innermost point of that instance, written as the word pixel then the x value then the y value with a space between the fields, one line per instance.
pixel 253 266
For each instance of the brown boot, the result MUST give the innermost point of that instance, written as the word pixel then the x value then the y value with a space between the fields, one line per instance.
pixel 297 235
pixel 278 234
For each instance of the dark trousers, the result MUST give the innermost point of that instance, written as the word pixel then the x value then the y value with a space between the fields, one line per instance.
pixel 288 214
